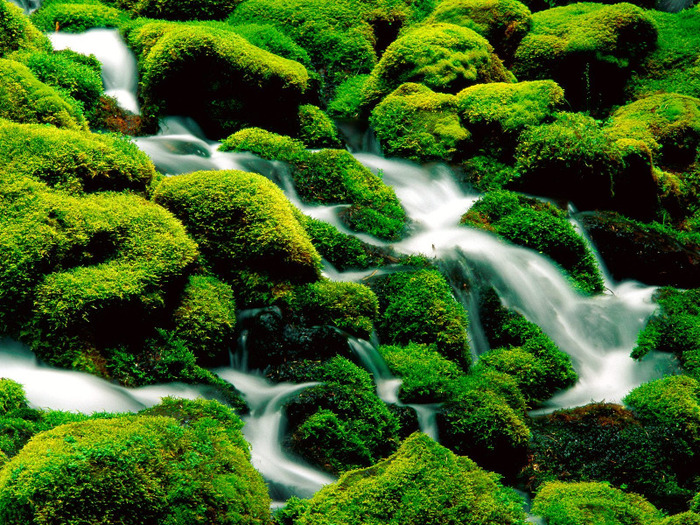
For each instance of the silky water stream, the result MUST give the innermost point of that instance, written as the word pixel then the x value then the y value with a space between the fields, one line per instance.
pixel 597 332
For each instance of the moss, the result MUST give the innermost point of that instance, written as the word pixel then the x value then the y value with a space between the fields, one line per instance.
pixel 444 57
pixel 241 220
pixel 270 38
pixel 73 160
pixel 24 98
pixel 416 123
pixel 206 317
pixel 421 483
pixel 222 81
pixel 541 227
pixel 570 158
pixel 486 173
pixel 344 407
pixel 347 98
pixel 264 144
pixel 17 32
pixel 179 9
pixel 12 396
pixel 686 518
pixel 595 503
pixel 101 470
pixel 351 307
pixel 419 307
pixel 503 23
pixel 77 17
pixel 316 130
pixel 588 49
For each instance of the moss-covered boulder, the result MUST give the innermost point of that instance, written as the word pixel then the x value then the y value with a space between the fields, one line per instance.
pixel 316 129
pixel 539 226
pixel 421 483
pixel 416 123
pixel 653 253
pixel 685 518
pixel 588 49
pixel 241 221
pixel 102 470
pixel 179 9
pixel 592 502
pixel 346 102
pixel 215 76
pixel 12 396
pixel 265 144
pixel 444 57
pixel 341 424
pixel 24 98
pixel 17 32
pixel 272 39
pixel 77 16
pixel 503 23
pixel 418 306
pixel 74 161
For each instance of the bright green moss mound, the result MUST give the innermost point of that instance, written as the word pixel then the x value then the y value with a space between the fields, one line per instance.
pixel 503 23
pixel 421 483
pixel 686 518
pixel 316 129
pixel 539 226
pixel 206 317
pixel 179 9
pixel 75 161
pixel 341 424
pixel 589 49
pixel 444 57
pixel 24 98
pixel 270 38
pixel 69 72
pixel 674 328
pixel 673 67
pixel 12 396
pixel 135 470
pixel 416 123
pixel 347 98
pixel 77 17
pixel 17 32
pixel 419 307
pixel 241 221
pixel 265 144
pixel 593 503
pixel 216 76
pixel 351 307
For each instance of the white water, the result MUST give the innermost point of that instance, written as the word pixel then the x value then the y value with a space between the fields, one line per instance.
pixel 119 70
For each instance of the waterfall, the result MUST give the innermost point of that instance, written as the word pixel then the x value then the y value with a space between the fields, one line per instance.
pixel 119 70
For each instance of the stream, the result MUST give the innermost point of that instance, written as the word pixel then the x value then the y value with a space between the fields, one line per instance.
pixel 597 332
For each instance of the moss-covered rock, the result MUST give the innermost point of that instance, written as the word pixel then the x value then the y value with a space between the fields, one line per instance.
pixel 179 9
pixel 241 221
pixel 17 32
pixel 421 483
pixel 341 424
pixel 216 76
pixel 101 470
pixel 588 49
pixel 653 253
pixel 416 123
pixel 265 144
pixel 503 23
pixel 12 396
pixel 444 57
pixel 347 98
pixel 77 16
pixel 24 98
pixel 685 518
pixel 419 307
pixel 270 38
pixel 539 226
pixel 316 130
pixel 74 161
pixel 599 503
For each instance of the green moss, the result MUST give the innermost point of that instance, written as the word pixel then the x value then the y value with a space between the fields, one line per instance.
pixel 419 307
pixel 179 9
pixel 264 144
pixel 12 396
pixel 588 49
pixel 503 23
pixel 77 17
pixel 594 503
pixel 421 483
pixel 241 221
pixel 270 38
pixel 347 98
pixel 172 471
pixel 343 407
pixel 541 227
pixel 416 123
pixel 351 307
pixel 24 98
pixel 444 57
pixel 17 32
pixel 316 130
pixel 686 518
pixel 216 76
pixel 73 160
pixel 486 173
pixel 206 317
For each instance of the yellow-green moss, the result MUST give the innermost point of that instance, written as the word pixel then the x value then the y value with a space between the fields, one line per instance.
pixel 77 17
pixel 17 32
